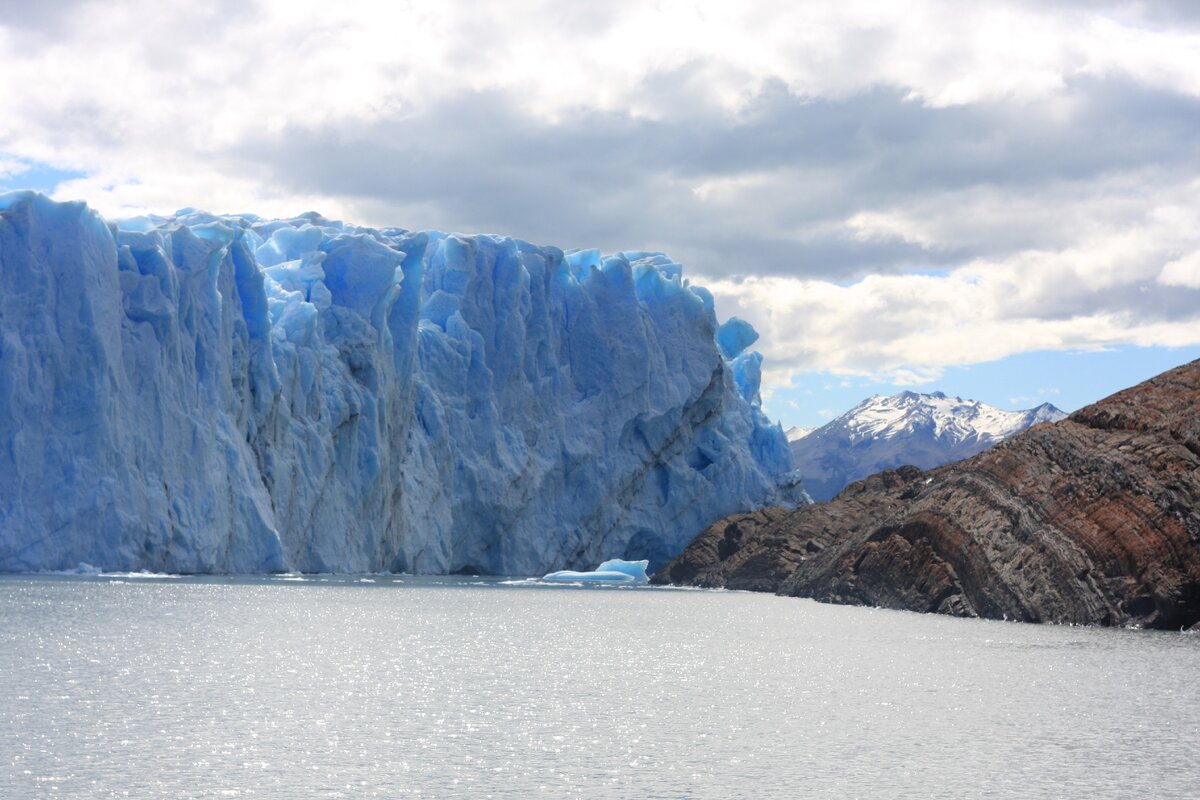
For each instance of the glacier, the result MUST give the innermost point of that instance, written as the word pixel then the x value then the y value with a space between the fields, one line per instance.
pixel 209 393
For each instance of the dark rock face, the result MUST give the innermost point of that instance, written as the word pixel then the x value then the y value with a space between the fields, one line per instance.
pixel 1093 520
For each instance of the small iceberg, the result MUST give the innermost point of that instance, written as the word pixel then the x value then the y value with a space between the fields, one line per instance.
pixel 612 571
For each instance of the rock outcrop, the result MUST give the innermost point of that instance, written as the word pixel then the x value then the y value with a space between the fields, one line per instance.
pixel 1091 520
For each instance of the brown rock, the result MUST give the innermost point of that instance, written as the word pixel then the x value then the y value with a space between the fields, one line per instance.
pixel 1094 520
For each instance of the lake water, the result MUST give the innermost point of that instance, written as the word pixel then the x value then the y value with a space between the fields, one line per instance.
pixel 340 687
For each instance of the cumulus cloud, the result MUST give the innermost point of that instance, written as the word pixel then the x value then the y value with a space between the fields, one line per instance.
pixel 1183 272
pixel 11 167
pixel 883 189
pixel 1114 288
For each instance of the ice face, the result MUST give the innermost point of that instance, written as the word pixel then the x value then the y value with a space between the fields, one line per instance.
pixel 227 394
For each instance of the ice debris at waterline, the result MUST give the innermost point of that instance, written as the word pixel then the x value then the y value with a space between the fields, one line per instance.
pixel 207 393
pixel 611 571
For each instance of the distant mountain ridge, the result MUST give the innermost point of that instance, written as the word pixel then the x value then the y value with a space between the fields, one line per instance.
pixel 925 430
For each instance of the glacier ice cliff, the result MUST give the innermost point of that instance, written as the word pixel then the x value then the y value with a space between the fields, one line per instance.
pixel 209 393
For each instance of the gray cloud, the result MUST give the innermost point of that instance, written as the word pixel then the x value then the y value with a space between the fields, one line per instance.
pixel 877 188
pixel 797 170
pixel 1154 12
pixel 41 19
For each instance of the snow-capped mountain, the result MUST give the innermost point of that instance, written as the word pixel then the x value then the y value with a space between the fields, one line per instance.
pixel 925 430
pixel 796 433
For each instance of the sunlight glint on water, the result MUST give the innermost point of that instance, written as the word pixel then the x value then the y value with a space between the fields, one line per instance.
pixel 340 687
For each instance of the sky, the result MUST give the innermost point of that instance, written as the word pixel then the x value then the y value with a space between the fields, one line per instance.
pixel 997 200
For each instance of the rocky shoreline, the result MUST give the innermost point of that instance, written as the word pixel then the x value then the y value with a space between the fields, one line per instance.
pixel 1091 520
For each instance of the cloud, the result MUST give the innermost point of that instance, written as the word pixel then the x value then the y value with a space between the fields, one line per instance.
pixel 1107 290
pixel 37 20
pixel 833 189
pixel 1183 272
pixel 11 168
pixel 883 190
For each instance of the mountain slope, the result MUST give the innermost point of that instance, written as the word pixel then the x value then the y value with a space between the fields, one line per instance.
pixel 1094 519
pixel 796 433
pixel 209 393
pixel 925 430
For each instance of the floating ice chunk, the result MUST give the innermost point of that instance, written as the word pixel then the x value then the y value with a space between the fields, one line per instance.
pixel 571 576
pixel 613 571
pixel 634 569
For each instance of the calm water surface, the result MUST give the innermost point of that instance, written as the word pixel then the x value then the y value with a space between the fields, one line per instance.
pixel 340 687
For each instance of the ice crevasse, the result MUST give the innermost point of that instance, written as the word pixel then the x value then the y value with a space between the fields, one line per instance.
pixel 203 393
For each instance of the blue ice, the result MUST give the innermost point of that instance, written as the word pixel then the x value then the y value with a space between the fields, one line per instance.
pixel 221 393
pixel 612 571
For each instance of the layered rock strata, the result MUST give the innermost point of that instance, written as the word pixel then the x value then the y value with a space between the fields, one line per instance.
pixel 1092 520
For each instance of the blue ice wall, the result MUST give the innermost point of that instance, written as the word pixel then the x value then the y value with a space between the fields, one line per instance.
pixel 227 394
